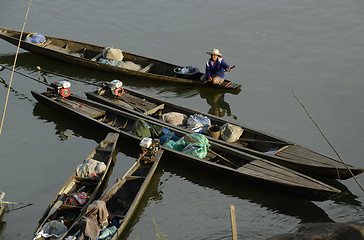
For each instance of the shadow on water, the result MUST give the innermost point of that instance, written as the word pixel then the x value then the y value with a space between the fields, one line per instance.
pixel 304 210
pixel 19 95
pixel 349 199
pixel 2 225
pixel 215 98
pixel 67 127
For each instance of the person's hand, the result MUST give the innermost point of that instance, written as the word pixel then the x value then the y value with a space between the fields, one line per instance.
pixel 228 69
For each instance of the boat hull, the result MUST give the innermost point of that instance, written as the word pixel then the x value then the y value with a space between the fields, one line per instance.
pixel 250 169
pixel 81 54
pixel 289 154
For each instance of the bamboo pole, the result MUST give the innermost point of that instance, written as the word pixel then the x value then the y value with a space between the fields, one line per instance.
pixel 233 222
pixel 12 73
pixel 327 140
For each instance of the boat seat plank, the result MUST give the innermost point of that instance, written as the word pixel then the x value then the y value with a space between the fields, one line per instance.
pixel 154 110
pixel 141 104
pixel 134 177
pixel 147 68
pixel 87 110
pixel 296 153
pixel 283 177
pixel 58 49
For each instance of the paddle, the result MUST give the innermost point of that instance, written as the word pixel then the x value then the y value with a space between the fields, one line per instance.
pixel 211 151
pixel 54 208
pixel 218 75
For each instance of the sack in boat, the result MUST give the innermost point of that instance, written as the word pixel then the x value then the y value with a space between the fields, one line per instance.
pixel 35 38
pixel 230 132
pixel 130 65
pixel 143 129
pixel 90 168
pixel 175 118
pixel 197 122
pixel 53 229
pixel 112 53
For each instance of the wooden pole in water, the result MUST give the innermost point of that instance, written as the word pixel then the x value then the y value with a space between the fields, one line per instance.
pixel 327 140
pixel 12 73
pixel 233 222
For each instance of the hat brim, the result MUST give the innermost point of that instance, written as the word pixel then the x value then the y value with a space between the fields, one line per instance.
pixel 211 53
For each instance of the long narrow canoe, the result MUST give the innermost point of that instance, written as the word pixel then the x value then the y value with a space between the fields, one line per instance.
pixel 221 159
pixel 124 197
pixel 60 208
pixel 85 54
pixel 252 141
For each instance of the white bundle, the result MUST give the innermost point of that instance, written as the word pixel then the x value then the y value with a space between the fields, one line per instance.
pixel 90 167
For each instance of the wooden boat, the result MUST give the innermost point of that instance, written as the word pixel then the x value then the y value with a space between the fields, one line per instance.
pixel 252 141
pixel 224 160
pixel 64 207
pixel 123 198
pixel 87 55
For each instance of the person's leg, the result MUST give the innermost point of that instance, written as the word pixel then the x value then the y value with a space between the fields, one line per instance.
pixel 217 80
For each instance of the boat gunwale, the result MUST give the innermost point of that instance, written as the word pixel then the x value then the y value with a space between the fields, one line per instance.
pixel 211 165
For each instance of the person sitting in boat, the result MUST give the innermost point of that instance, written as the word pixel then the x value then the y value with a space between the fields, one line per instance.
pixel 215 66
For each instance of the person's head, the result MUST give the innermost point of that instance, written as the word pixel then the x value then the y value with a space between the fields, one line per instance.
pixel 215 54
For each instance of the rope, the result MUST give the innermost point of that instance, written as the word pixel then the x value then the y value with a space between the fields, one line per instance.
pixel 337 154
pixel 12 73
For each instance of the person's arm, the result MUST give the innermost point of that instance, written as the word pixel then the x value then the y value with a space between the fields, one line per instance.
pixel 225 65
pixel 208 72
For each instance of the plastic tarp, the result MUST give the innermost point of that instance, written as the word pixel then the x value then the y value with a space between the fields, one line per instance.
pixel 197 147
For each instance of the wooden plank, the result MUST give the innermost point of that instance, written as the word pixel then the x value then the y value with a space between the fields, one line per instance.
pixel 87 110
pixel 154 110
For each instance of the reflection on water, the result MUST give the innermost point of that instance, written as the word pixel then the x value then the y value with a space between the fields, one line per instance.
pixel 304 210
pixel 2 225
pixel 215 98
pixel 218 106
pixel 65 126
pixel 18 94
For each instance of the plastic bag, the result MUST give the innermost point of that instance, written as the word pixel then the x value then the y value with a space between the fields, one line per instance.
pixel 197 122
pixel 197 146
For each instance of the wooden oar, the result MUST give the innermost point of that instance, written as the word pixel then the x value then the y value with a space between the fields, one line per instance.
pixel 211 151
pixel 218 75
pixel 54 208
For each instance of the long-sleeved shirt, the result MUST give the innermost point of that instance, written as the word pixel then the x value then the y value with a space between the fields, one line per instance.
pixel 214 70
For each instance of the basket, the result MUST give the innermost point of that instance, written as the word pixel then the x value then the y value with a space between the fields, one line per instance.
pixel 214 131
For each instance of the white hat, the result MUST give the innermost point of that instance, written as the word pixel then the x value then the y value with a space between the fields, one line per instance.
pixel 215 51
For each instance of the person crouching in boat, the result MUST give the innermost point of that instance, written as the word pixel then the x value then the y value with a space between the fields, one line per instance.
pixel 214 66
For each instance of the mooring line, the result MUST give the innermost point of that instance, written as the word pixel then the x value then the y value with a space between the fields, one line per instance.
pixel 12 73
pixel 323 135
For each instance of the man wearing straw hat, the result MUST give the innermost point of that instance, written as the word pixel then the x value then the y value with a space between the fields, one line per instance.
pixel 215 66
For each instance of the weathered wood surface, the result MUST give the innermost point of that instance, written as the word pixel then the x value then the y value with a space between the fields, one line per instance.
pixel 85 54
pixel 263 174
pixel 252 141
pixel 105 152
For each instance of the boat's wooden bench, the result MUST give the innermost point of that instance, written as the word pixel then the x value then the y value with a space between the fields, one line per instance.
pixel 89 111
pixel 58 49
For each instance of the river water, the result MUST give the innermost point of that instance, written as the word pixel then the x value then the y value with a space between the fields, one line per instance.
pixel 314 48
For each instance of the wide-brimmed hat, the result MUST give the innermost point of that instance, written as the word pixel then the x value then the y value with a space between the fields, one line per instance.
pixel 215 51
